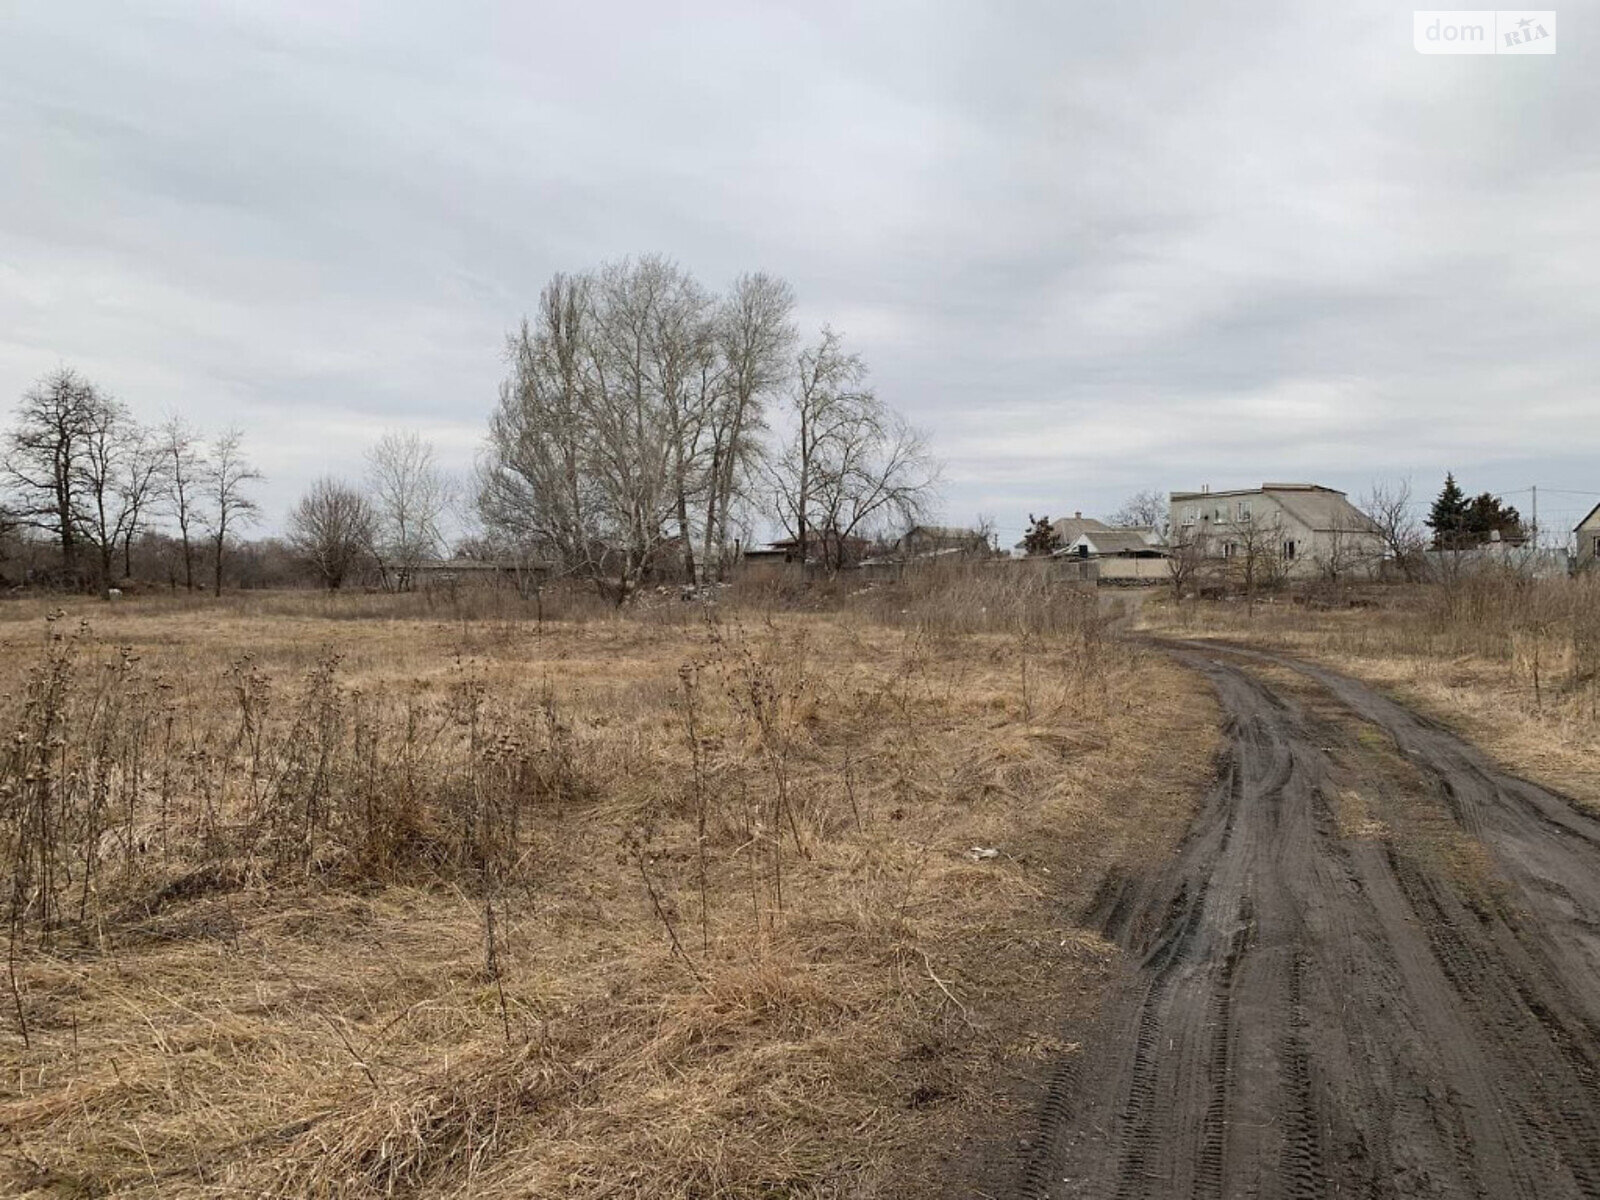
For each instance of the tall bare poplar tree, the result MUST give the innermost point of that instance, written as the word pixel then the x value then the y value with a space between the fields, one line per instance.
pixel 685 372
pixel 228 475
pixel 631 412
pixel 755 339
pixel 536 489
pixel 595 439
pixel 632 421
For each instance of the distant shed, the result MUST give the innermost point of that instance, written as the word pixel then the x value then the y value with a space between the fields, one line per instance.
pixel 454 572
pixel 1126 555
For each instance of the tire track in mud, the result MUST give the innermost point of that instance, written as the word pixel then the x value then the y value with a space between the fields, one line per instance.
pixel 1402 1005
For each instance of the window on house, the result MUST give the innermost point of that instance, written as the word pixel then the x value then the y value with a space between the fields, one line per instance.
pixel 1244 510
pixel 1227 549
pixel 1190 515
pixel 1288 550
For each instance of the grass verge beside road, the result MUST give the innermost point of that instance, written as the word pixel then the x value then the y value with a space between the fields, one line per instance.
pixel 639 905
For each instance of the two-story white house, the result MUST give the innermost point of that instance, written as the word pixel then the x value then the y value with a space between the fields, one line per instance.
pixel 1304 529
pixel 1587 534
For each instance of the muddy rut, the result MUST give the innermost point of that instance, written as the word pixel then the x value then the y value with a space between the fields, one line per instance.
pixel 1372 969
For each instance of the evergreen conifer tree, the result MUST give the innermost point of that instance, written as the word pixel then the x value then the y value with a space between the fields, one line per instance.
pixel 1448 517
pixel 1041 537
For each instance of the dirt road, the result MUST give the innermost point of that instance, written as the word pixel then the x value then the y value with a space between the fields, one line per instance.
pixel 1373 969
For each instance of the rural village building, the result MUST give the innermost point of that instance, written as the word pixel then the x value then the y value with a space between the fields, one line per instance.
pixel 450 572
pixel 1132 553
pixel 1308 529
pixel 822 545
pixel 920 541
pixel 1069 529
pixel 1588 533
pixel 1133 541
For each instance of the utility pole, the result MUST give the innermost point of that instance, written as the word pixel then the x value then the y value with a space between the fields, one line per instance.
pixel 1535 490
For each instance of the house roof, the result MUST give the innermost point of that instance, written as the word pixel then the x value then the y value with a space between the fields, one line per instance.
pixel 1113 541
pixel 1256 491
pixel 1149 533
pixel 949 532
pixel 820 537
pixel 1593 512
pixel 1071 528
pixel 1322 509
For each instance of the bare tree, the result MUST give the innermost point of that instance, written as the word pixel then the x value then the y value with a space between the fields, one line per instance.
pixel 1146 509
pixel 829 386
pixel 987 527
pixel 535 486
pixel 1255 558
pixel 595 450
pixel 143 483
pixel 113 477
pixel 849 460
pixel 183 478
pixel 629 427
pixel 1348 548
pixel 45 452
pixel 83 469
pixel 635 422
pixel 410 497
pixel 755 338
pixel 1405 544
pixel 227 476
pixel 884 474
pixel 1186 559
pixel 332 528
pixel 682 350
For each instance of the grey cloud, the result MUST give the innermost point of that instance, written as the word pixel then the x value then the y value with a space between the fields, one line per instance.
pixel 1088 249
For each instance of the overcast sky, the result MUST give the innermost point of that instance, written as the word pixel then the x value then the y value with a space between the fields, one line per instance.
pixel 1088 249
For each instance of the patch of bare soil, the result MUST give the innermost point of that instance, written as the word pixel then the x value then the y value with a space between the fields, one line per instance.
pixel 1372 968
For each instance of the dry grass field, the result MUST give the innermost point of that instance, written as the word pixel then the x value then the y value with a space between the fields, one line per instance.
pixel 368 896
pixel 1513 664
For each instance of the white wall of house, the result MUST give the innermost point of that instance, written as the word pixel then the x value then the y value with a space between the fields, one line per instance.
pixel 1148 570
pixel 1221 525
pixel 1588 539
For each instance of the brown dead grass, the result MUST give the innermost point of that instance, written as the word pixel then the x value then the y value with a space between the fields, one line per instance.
pixel 228 1028
pixel 1510 664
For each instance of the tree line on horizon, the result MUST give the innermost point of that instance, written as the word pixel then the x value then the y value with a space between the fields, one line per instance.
pixel 82 474
pixel 82 477
pixel 644 426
